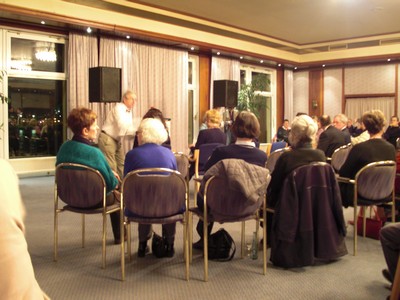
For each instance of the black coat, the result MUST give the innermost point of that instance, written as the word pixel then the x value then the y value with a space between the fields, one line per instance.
pixel 331 139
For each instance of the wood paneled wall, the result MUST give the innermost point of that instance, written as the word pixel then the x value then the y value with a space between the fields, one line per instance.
pixel 204 85
pixel 316 93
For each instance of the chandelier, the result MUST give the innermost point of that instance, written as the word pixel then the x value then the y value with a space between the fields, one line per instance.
pixel 45 52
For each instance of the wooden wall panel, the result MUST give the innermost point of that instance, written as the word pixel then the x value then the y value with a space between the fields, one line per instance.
pixel 316 93
pixel 204 85
pixel 280 97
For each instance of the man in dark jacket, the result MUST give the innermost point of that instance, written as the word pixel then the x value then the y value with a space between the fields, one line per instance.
pixel 331 138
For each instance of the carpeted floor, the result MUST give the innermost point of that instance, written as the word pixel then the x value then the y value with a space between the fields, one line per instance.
pixel 78 273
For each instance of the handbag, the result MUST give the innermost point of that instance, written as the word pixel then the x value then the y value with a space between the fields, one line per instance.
pixel 373 226
pixel 221 246
pixel 158 246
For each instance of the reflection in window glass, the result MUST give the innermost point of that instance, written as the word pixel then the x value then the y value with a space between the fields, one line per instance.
pixel 190 73
pixel 35 120
pixel 263 81
pixel 30 55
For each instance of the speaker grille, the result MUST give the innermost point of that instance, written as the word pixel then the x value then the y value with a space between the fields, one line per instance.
pixel 104 84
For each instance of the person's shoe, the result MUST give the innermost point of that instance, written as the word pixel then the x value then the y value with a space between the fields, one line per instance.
pixel 170 251
pixel 387 275
pixel 118 240
pixel 198 245
pixel 143 249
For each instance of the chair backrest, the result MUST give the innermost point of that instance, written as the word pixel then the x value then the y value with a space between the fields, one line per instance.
pixel 79 185
pixel 277 145
pixel 154 192
pixel 204 153
pixel 375 181
pixel 273 158
pixel 340 156
pixel 226 199
pixel 182 162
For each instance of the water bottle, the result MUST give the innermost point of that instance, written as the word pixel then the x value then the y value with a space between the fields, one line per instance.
pixel 254 247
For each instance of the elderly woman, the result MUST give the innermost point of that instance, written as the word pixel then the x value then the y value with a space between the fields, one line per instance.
pixel 246 128
pixel 150 154
pixel 374 149
pixel 83 123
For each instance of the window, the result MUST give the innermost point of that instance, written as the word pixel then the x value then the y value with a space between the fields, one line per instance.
pixel 193 98
pixel 263 80
pixel 36 92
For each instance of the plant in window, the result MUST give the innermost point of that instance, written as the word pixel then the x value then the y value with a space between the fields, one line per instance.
pixel 3 97
pixel 250 98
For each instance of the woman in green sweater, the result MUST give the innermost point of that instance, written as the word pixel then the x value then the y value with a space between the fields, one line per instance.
pixel 83 123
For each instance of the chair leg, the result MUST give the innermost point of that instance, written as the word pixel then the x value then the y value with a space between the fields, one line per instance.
pixel 122 234
pixel 129 245
pixel 83 230
pixel 242 244
pixel 364 212
pixel 205 246
pixel 355 231
pixel 55 257
pixel 104 240
pixel 186 244
pixel 264 243
pixel 190 235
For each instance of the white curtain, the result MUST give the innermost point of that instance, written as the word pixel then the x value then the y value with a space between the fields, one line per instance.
pixel 288 90
pixel 223 69
pixel 355 107
pixel 82 55
pixel 158 76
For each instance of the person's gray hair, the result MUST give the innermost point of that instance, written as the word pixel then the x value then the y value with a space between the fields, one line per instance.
pixel 153 131
pixel 342 118
pixel 303 131
pixel 127 93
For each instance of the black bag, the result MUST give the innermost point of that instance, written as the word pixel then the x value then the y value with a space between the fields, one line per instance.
pixel 158 246
pixel 221 246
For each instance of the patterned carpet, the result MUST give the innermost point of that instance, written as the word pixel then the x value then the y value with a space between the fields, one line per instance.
pixel 78 273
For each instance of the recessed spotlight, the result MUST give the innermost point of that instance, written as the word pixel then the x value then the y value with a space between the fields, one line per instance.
pixel 128 37
pixel 241 57
pixel 279 65
pixel 261 61
pixel 192 48
pixel 295 68
pixel 389 59
pixel 89 30
pixel 43 22
pixel 218 53
pixel 323 66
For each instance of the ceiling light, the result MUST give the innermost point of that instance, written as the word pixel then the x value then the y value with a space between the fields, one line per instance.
pixel 241 57
pixel 21 64
pixel 43 22
pixel 89 30
pixel 218 53
pixel 323 66
pixel 128 37
pixel 389 59
pixel 261 61
pixel 192 48
pixel 279 65
pixel 295 68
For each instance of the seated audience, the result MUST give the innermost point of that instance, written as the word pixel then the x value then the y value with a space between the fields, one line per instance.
pixel 390 241
pixel 374 149
pixel 301 138
pixel 392 133
pixel 331 138
pixel 17 277
pixel 362 134
pixel 155 113
pixel 150 154
pixel 283 132
pixel 213 134
pixel 340 122
pixel 246 128
pixel 83 123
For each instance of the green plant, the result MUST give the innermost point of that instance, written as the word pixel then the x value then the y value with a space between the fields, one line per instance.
pixel 3 97
pixel 249 97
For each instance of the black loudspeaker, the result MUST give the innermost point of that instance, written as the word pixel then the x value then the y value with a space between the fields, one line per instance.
pixel 104 84
pixel 225 93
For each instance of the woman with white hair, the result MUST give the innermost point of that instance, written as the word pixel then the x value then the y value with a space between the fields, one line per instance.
pixel 303 152
pixel 302 142
pixel 150 154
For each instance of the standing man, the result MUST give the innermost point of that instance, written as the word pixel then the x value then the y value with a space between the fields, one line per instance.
pixel 340 122
pixel 120 123
pixel 331 138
